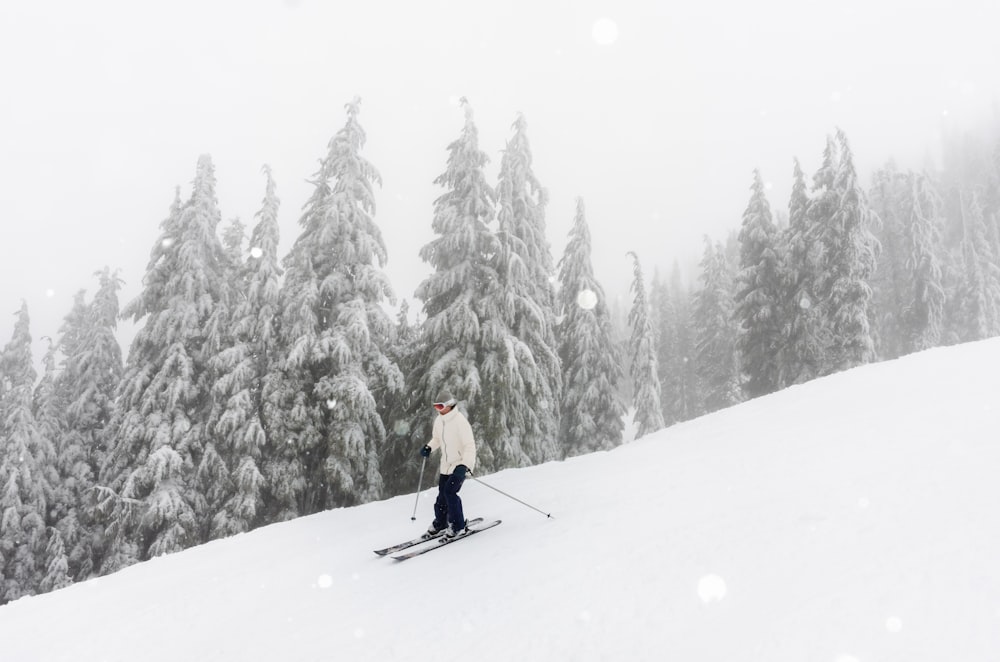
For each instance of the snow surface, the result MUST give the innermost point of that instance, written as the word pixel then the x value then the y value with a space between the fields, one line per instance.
pixel 852 519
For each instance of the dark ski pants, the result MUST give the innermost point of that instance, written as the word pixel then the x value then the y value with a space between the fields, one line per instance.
pixel 448 507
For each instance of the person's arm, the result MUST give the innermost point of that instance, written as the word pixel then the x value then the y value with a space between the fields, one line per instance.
pixel 435 442
pixel 468 447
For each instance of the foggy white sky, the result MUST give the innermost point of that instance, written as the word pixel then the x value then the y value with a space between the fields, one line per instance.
pixel 105 107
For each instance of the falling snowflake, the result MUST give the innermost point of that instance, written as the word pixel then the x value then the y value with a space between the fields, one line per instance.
pixel 256 252
pixel 324 581
pixel 604 31
pixel 586 299
pixel 711 588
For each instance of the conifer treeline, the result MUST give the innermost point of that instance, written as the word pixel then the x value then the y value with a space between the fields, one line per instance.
pixel 260 388
pixel 853 277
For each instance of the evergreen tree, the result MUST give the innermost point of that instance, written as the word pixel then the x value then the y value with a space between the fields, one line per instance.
pixel 664 318
pixel 49 406
pixel 978 296
pixel 52 400
pixel 716 331
pixel 335 334
pixel 398 461
pixel 822 207
pixel 758 296
pixel 233 236
pixel 849 255
pixel 213 480
pixel 592 411
pixel 923 312
pixel 457 330
pixel 91 372
pixel 238 420
pixel 803 341
pixel 26 471
pixel 889 197
pixel 648 415
pixel 56 565
pixel 671 319
pixel 688 389
pixel 164 399
pixel 522 380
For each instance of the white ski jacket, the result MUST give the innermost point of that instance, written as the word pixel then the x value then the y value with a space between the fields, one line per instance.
pixel 453 435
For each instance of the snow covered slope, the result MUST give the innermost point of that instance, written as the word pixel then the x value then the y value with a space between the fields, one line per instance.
pixel 850 519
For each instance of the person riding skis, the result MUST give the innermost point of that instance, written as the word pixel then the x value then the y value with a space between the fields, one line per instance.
pixel 453 435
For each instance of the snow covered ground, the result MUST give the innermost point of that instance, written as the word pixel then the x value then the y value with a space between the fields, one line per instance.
pixel 853 519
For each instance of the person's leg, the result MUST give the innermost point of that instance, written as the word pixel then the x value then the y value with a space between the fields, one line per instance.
pixel 454 502
pixel 441 504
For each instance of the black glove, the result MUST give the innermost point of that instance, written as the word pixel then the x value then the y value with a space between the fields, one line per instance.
pixel 425 451
pixel 460 472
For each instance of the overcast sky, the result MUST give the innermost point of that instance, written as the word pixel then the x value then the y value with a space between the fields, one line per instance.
pixel 655 112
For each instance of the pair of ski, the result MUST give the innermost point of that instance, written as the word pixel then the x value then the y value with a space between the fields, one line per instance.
pixel 472 527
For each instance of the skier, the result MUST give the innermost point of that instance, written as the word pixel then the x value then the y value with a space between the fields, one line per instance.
pixel 453 435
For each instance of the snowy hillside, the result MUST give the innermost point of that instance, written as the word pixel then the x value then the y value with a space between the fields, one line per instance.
pixel 850 519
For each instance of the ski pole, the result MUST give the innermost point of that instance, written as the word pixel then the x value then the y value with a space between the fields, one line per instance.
pixel 512 497
pixel 420 483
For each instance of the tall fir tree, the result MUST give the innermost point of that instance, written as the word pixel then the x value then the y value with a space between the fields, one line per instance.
pixel 758 297
pixel 803 341
pixel 521 367
pixel 889 195
pixel 592 411
pixel 849 256
pixel 924 313
pixel 91 371
pixel 27 471
pixel 398 461
pixel 233 237
pixel 56 574
pixel 238 421
pixel 909 279
pixel 670 304
pixel 49 408
pixel 213 479
pixel 335 334
pixel 648 415
pixel 716 331
pixel 664 318
pixel 455 335
pixel 76 476
pixel 165 395
pixel 822 206
pixel 977 305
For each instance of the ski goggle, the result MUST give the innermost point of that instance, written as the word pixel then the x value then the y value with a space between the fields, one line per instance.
pixel 443 405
